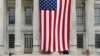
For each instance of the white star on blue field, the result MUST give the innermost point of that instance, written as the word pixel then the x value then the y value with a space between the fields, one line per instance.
pixel 48 4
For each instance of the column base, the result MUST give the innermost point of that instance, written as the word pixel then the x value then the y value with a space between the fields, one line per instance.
pixel 18 50
pixel 73 50
pixel 1 50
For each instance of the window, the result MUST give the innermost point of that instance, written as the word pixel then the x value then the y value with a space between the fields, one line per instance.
pixel 97 16
pixel 79 40
pixel 28 43
pixel 11 40
pixel 28 16
pixel 97 40
pixel 80 15
pixel 11 16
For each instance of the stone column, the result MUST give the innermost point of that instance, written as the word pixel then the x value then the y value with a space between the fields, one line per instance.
pixel 73 38
pixel 18 38
pixel 36 26
pixel 5 40
pixel 90 31
pixel 2 25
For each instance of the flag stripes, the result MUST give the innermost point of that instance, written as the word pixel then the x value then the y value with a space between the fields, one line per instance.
pixel 55 27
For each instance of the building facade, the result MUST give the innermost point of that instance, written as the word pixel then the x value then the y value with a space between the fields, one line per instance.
pixel 20 28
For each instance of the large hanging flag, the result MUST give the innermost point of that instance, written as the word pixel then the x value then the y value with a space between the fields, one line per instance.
pixel 55 25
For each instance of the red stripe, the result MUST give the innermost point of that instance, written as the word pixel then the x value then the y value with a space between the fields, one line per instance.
pixel 68 24
pixel 64 25
pixel 54 45
pixel 50 20
pixel 40 31
pixel 55 13
pixel 45 30
pixel 59 25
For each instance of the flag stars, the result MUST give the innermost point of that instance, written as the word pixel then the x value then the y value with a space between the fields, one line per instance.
pixel 48 4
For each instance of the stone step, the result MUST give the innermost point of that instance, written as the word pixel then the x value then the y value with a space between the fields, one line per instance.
pixel 52 55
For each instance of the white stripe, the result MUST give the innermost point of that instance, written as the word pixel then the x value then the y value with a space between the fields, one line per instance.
pixel 52 33
pixel 61 24
pixel 47 29
pixel 56 28
pixel 66 18
pixel 42 21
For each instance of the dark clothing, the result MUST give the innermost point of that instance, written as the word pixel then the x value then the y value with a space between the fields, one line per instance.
pixel 65 52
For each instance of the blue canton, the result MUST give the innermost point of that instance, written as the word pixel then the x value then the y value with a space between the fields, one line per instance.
pixel 48 4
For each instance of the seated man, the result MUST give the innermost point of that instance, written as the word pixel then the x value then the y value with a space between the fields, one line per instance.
pixel 66 52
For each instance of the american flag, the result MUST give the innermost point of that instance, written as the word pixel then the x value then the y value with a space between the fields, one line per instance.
pixel 55 25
